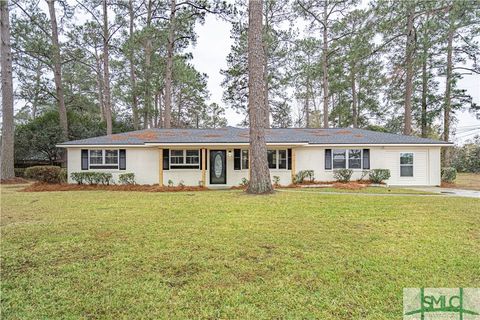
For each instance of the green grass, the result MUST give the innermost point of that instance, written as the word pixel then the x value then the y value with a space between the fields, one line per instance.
pixel 224 254
pixel 374 190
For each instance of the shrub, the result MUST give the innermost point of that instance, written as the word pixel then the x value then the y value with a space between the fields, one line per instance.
pixel 19 172
pixel 170 183
pixel 379 175
pixel 342 175
pixel 449 174
pixel 48 174
pixel 244 182
pixel 364 174
pixel 92 177
pixel 181 183
pixel 304 174
pixel 126 178
pixel 276 181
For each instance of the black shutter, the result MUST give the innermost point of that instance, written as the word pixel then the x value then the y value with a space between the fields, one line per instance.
pixel 366 158
pixel 122 163
pixel 289 159
pixel 328 159
pixel 84 159
pixel 237 159
pixel 166 159
pixel 200 159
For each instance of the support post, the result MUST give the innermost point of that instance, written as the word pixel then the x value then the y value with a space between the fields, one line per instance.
pixel 204 161
pixel 160 167
pixel 294 164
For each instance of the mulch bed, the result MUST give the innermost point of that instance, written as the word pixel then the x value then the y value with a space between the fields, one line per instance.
pixel 43 187
pixel 350 185
pixel 14 181
pixel 448 185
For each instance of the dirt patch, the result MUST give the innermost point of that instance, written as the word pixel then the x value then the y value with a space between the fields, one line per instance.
pixel 44 187
pixel 349 185
pixel 14 181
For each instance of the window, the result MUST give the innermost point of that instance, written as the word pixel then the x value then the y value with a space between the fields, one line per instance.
pixel 339 158
pixel 244 159
pixel 282 159
pixel 96 156
pixel 192 157
pixel 185 159
pixel 355 159
pixel 277 159
pixel 103 159
pixel 272 159
pixel 176 157
pixel 111 156
pixel 406 164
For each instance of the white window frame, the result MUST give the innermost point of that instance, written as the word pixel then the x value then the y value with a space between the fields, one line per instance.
pixel 184 158
pixel 104 152
pixel 407 165
pixel 347 158
pixel 277 159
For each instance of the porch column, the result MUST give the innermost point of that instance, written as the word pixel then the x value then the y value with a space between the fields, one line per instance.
pixel 294 164
pixel 204 161
pixel 160 167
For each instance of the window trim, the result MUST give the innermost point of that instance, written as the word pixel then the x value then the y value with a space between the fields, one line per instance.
pixel 277 159
pixel 184 164
pixel 242 157
pixel 104 165
pixel 406 165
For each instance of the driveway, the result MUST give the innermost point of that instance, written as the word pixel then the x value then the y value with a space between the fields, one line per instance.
pixel 450 191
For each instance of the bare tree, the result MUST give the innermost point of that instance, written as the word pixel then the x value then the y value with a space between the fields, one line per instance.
pixel 7 95
pixel 57 70
pixel 260 182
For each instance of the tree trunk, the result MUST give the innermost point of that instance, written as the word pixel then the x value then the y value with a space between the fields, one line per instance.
pixel 307 104
pixel 133 81
pixel 169 67
pixel 7 154
pixel 325 66
pixel 106 70
pixel 100 85
pixel 260 182
pixel 148 62
pixel 448 98
pixel 424 93
pixel 266 107
pixel 409 52
pixel 62 110
pixel 38 76
pixel 354 96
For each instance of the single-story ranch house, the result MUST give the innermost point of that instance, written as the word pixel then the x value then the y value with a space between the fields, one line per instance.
pixel 219 157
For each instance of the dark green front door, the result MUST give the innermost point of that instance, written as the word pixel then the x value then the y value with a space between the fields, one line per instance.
pixel 218 167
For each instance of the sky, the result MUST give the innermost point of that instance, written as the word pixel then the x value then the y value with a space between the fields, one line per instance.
pixel 213 46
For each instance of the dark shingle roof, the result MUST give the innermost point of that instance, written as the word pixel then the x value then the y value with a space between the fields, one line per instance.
pixel 240 135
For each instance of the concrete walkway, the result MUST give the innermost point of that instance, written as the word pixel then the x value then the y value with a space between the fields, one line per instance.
pixel 450 191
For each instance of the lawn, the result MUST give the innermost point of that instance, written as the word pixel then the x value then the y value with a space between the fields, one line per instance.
pixel 224 254
pixel 468 181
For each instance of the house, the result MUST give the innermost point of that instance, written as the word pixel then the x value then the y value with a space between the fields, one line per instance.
pixel 219 157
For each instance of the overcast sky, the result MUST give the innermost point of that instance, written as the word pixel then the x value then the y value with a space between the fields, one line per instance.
pixel 213 45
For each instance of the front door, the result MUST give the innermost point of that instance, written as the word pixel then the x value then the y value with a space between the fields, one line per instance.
pixel 218 167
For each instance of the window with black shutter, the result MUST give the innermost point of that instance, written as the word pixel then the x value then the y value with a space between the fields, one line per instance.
pixel 366 158
pixel 166 159
pixel 84 159
pixel 328 159
pixel 122 163
pixel 237 159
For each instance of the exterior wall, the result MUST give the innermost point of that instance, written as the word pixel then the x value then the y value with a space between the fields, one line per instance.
pixel 144 162
pixel 426 163
pixel 141 161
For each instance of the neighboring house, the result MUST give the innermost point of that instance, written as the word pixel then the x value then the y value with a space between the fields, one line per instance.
pixel 219 157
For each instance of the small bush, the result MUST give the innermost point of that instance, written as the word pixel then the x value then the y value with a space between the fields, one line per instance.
pixel 48 174
pixel 379 175
pixel 181 183
pixel 342 175
pixel 244 182
pixel 276 181
pixel 92 177
pixel 449 174
pixel 19 172
pixel 126 178
pixel 170 183
pixel 304 174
